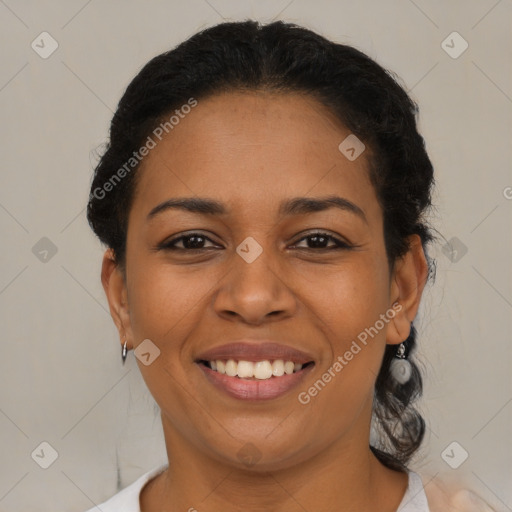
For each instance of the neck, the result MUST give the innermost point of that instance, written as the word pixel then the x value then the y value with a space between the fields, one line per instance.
pixel 344 473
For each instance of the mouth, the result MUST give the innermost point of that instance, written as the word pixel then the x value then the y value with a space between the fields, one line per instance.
pixel 254 381
pixel 249 370
pixel 260 371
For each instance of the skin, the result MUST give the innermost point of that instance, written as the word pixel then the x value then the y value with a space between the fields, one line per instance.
pixel 252 150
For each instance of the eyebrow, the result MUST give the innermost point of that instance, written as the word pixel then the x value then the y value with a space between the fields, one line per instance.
pixel 293 206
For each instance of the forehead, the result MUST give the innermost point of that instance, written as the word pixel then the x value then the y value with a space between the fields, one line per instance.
pixel 253 149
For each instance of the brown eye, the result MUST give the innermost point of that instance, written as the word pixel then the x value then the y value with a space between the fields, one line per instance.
pixel 320 240
pixel 190 242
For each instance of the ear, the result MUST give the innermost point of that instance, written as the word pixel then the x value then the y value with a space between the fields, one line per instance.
pixel 114 284
pixel 407 283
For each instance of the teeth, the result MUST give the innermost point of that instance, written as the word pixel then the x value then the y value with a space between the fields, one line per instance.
pixel 231 368
pixel 245 369
pixel 278 368
pixel 288 367
pixel 261 370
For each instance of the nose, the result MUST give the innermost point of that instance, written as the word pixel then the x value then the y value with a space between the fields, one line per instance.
pixel 255 292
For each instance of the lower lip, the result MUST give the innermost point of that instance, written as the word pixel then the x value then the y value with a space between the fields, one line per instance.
pixel 254 389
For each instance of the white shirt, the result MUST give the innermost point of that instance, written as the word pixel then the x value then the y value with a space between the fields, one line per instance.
pixel 127 500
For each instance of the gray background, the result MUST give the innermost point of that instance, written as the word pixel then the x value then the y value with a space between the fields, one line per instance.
pixel 61 374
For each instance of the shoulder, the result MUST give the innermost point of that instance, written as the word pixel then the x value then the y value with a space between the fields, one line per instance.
pixel 128 499
pixel 443 497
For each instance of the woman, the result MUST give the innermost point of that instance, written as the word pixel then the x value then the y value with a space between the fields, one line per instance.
pixel 263 200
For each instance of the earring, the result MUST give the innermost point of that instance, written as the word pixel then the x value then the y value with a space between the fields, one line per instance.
pixel 124 351
pixel 401 368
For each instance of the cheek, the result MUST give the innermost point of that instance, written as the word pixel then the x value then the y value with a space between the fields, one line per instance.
pixel 348 309
pixel 163 308
pixel 347 312
pixel 153 306
pixel 349 298
pixel 162 299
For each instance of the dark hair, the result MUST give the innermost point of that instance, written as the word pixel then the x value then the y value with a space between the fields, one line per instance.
pixel 366 98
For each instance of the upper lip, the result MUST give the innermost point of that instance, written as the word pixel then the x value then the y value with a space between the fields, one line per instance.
pixel 255 351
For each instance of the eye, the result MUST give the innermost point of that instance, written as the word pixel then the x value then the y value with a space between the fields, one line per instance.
pixel 197 241
pixel 190 242
pixel 318 240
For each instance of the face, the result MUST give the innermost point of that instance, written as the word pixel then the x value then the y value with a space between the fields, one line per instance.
pixel 260 266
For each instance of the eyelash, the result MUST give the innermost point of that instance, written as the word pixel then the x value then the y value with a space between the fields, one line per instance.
pixel 339 244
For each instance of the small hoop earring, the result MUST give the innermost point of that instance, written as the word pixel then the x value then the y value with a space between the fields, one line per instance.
pixel 401 368
pixel 124 351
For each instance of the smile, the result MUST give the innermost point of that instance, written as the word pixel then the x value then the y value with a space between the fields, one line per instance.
pixel 254 380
